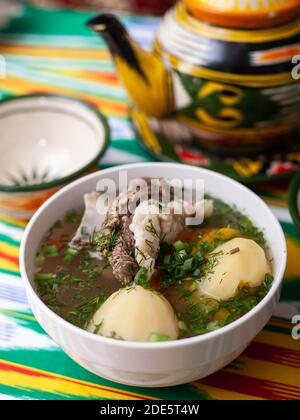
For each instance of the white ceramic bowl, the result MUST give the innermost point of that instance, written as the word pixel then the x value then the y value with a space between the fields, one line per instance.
pixel 46 142
pixel 155 364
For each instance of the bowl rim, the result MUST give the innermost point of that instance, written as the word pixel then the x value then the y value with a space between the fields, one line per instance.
pixel 66 179
pixel 146 345
pixel 293 199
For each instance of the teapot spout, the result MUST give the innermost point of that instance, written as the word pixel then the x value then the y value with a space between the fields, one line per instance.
pixel 147 81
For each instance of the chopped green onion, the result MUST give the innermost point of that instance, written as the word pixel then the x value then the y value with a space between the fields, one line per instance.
pixel 213 326
pixel 269 279
pixel 167 259
pixel 50 251
pixel 199 257
pixel 182 254
pixel 142 278
pixel 70 254
pixel 180 246
pixel 156 338
pixel 193 287
pixel 182 326
pixel 188 265
pixel 39 261
pixel 44 277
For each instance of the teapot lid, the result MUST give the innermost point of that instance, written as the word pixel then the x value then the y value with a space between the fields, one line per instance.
pixel 244 13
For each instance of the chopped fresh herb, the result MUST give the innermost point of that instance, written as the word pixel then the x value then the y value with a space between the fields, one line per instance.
pixel 156 338
pixel 149 243
pixel 82 314
pixel 49 284
pixel 105 242
pixel 201 317
pixel 269 279
pixel 98 328
pixel 73 217
pixel 142 278
pixel 50 251
pixel 211 263
pixel 115 336
pixel 235 251
pixel 151 229
pixel 44 277
pixel 39 261
pixel 213 326
pixel 72 285
pixel 90 267
pixel 180 246
pixel 70 254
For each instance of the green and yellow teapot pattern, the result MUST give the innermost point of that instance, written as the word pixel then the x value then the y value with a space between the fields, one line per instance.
pixel 229 87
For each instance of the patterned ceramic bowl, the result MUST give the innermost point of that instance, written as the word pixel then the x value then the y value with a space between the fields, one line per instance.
pixel 294 200
pixel 46 142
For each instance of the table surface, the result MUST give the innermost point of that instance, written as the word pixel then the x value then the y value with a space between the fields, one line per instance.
pixel 51 51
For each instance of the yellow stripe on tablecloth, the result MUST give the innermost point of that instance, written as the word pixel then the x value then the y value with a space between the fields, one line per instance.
pixel 17 315
pixel 54 52
pixel 277 339
pixel 22 87
pixel 275 202
pixel 12 220
pixel 222 394
pixel 8 265
pixel 10 250
pixel 268 371
pixel 90 75
pixel 21 376
pixel 293 257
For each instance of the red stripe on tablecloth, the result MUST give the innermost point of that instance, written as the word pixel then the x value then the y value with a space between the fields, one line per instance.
pixel 7 367
pixel 252 386
pixel 14 260
pixel 274 354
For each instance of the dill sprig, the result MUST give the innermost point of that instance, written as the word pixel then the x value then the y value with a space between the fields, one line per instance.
pixel 200 317
pixel 105 242
pixel 150 228
pixel 82 314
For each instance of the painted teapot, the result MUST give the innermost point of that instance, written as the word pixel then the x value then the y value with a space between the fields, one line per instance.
pixel 221 71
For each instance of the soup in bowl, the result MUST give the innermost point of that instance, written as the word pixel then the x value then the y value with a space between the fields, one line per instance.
pixel 153 291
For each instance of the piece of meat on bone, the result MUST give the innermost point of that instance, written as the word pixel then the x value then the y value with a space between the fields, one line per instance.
pixel 95 220
pixel 115 240
pixel 152 225
pixel 116 243
pixel 123 264
pixel 126 236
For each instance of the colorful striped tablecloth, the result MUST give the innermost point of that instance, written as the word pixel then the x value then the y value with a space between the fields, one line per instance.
pixel 51 51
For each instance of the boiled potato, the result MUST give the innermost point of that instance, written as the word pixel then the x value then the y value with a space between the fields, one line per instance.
pixel 237 262
pixel 135 313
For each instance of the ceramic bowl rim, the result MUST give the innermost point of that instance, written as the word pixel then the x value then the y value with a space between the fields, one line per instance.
pixel 66 179
pixel 145 345
pixel 293 199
